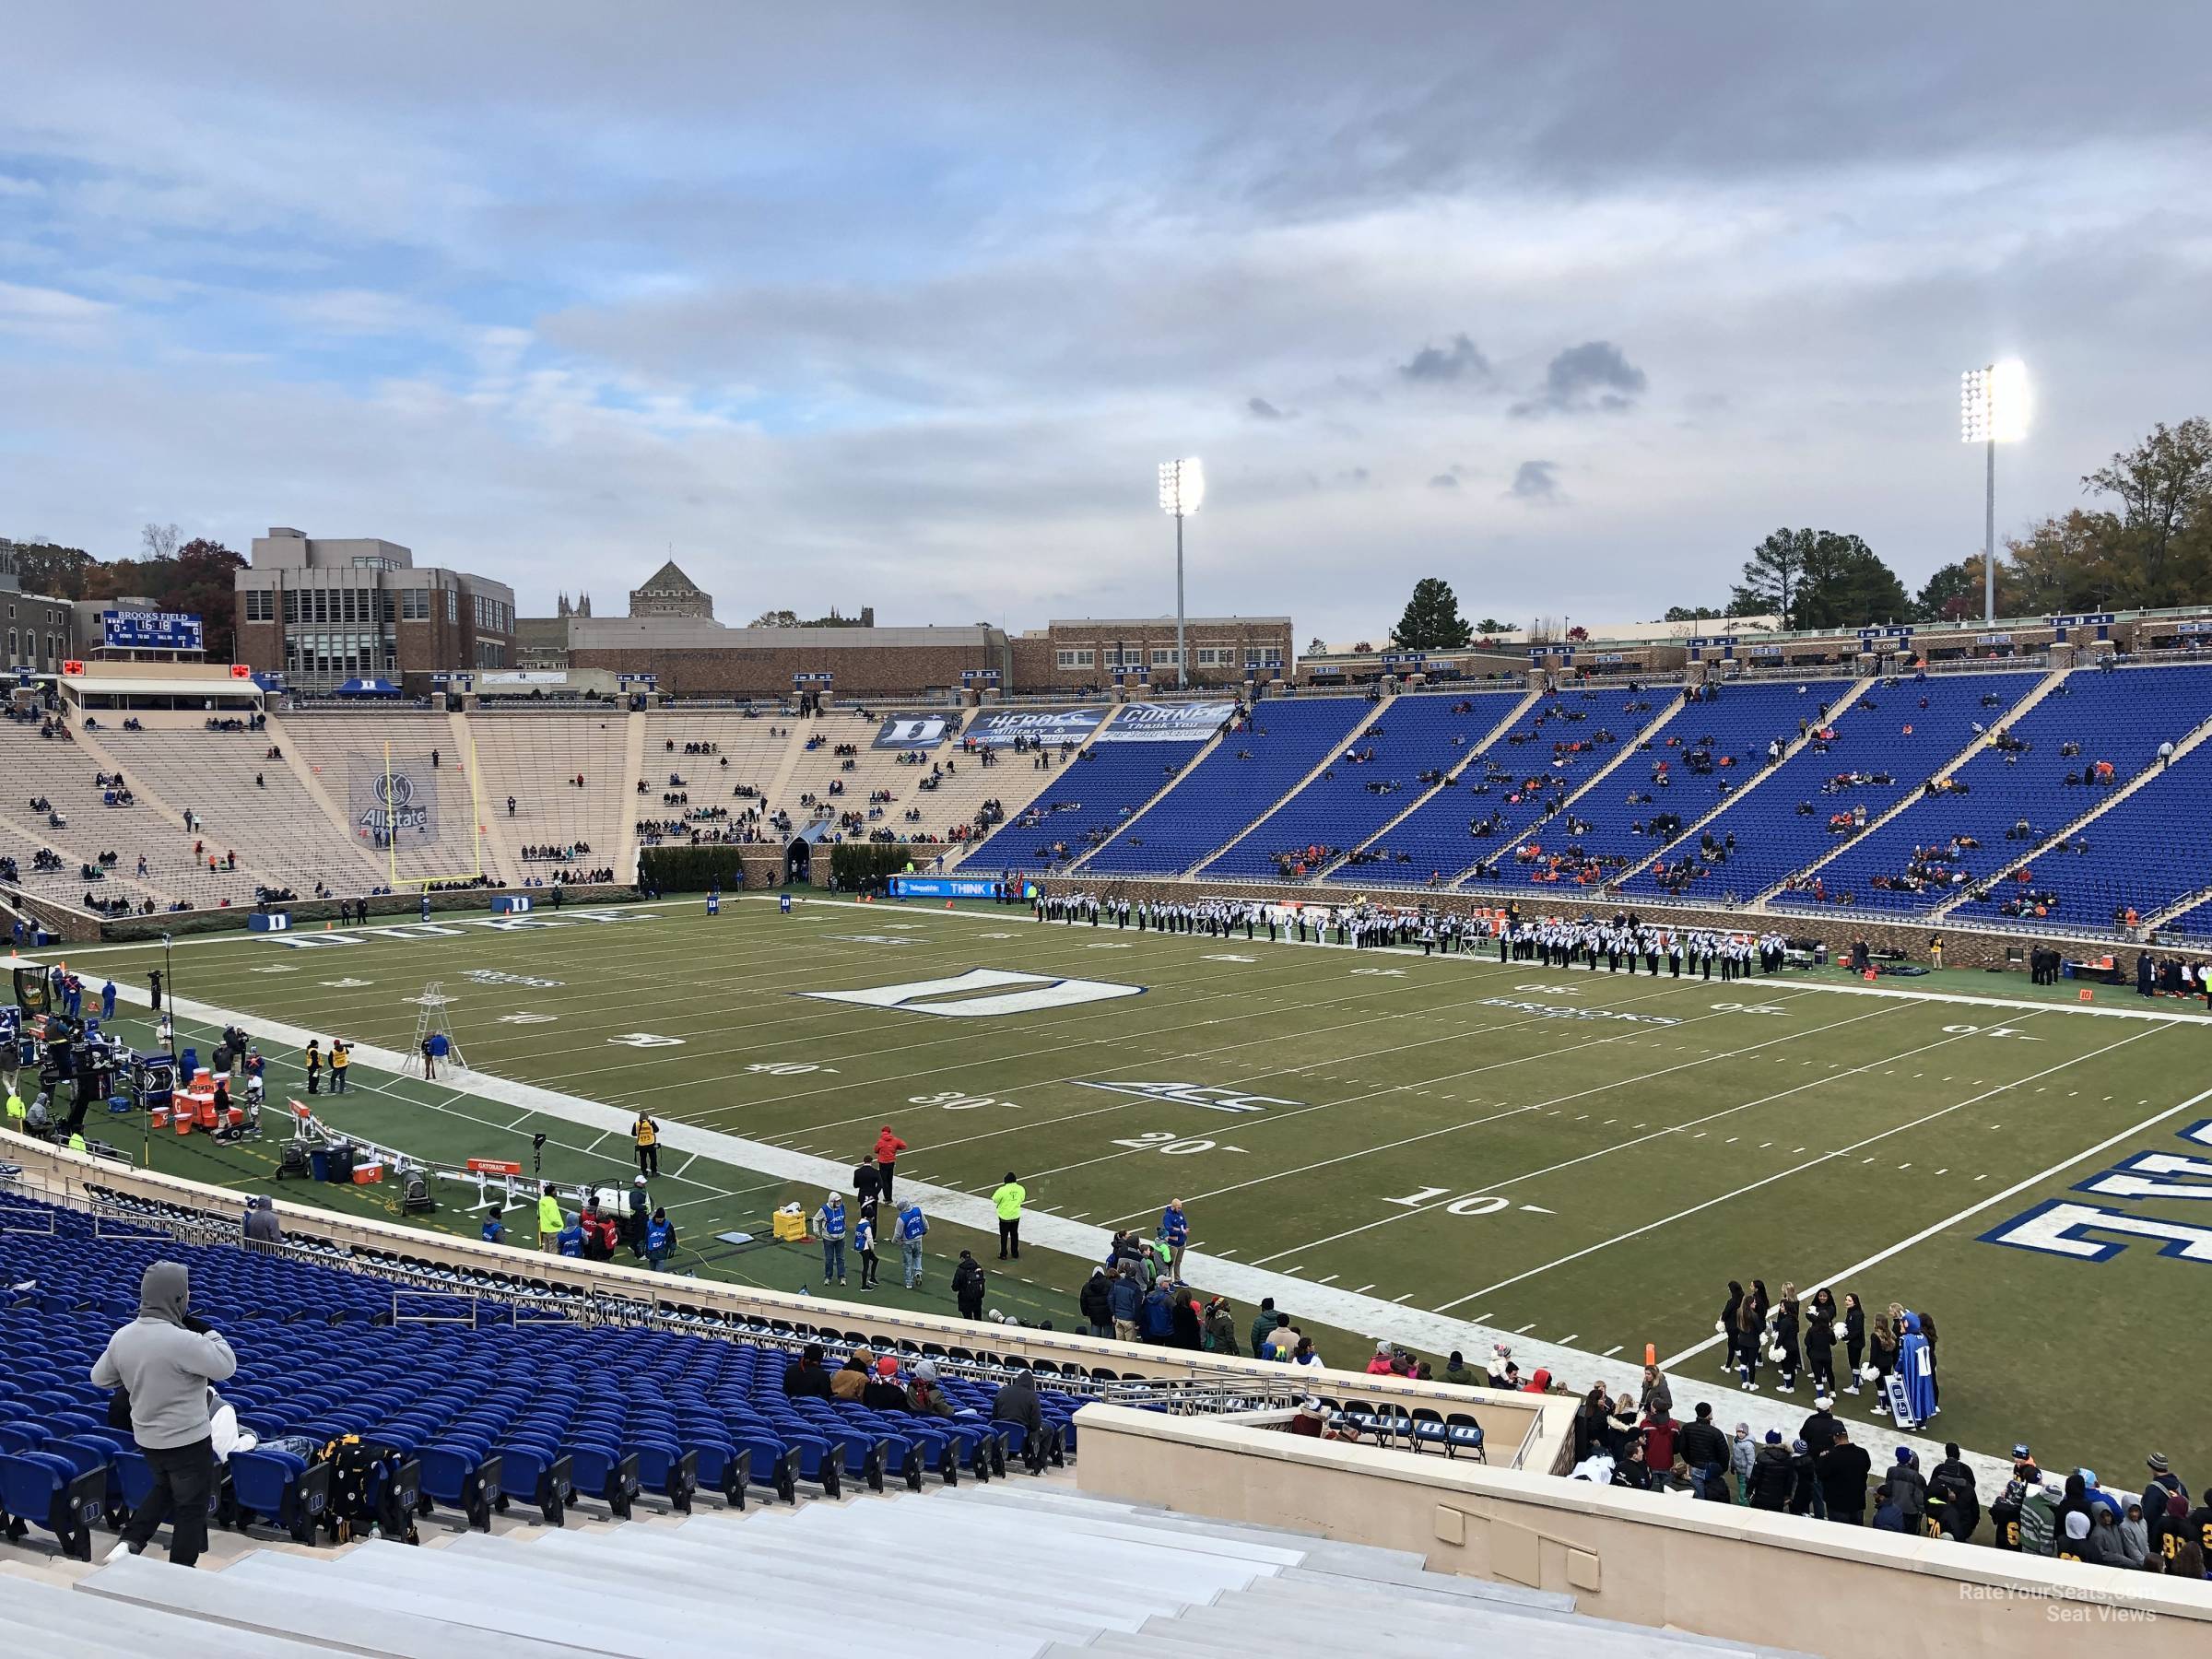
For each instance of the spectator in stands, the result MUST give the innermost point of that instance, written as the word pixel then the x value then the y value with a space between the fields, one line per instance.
pixel 850 1381
pixel 165 1361
pixel 1125 1302
pixel 262 1229
pixel 1220 1326
pixel 1843 1471
pixel 1263 1327
pixel 882 1392
pixel 1460 1374
pixel 1705 1454
pixel 924 1397
pixel 1016 1402
pixel 1743 1452
pixel 1095 1302
pixel 805 1378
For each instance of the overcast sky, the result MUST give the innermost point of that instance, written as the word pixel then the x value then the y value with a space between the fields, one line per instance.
pixel 901 305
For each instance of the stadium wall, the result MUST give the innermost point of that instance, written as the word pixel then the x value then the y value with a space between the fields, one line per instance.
pixel 1724 1571
pixel 1537 1427
pixel 1839 929
pixel 313 912
pixel 867 670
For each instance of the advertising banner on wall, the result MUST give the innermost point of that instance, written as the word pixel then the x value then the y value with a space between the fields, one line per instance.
pixel 1168 722
pixel 911 730
pixel 392 803
pixel 1002 727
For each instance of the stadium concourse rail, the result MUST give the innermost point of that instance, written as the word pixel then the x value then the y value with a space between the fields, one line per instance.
pixel 1519 1430
pixel 1672 1563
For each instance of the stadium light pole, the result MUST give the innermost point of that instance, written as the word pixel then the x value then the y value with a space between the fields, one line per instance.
pixel 1992 409
pixel 1182 488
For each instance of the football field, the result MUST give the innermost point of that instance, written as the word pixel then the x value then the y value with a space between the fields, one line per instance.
pixel 1448 1150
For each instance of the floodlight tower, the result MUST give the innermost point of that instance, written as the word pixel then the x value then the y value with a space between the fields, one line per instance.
pixel 1992 409
pixel 1182 488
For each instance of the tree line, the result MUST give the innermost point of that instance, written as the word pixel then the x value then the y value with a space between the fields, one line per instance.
pixel 2144 542
pixel 172 574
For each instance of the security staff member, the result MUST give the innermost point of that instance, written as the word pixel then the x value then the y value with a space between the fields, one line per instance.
pixel 647 1135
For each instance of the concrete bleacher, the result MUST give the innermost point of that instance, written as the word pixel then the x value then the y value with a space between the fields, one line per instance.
pixel 754 755
pixel 61 771
pixel 812 771
pixel 2119 715
pixel 1042 1571
pixel 1900 730
pixel 250 804
pixel 535 758
pixel 1262 759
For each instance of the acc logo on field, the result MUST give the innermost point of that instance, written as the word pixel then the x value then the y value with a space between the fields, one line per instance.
pixel 956 998
pixel 1193 1094
pixel 646 1040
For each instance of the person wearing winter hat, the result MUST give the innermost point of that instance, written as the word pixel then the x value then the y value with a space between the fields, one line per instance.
pixel 2075 1545
pixel 1772 1475
pixel 2164 1485
pixel 881 1392
pixel 1706 1454
pixel 924 1397
pixel 1742 1451
pixel 1911 1488
pixel 1953 1504
pixel 1380 1364
pixel 1804 1481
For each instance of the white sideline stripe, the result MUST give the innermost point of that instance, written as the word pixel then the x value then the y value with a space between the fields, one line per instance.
pixel 2013 1191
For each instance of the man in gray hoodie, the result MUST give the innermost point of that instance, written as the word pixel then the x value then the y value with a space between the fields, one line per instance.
pixel 165 1360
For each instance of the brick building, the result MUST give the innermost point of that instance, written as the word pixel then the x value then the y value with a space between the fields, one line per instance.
pixel 38 635
pixel 700 658
pixel 1082 655
pixel 324 612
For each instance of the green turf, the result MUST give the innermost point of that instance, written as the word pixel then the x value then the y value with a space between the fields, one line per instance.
pixel 1579 1180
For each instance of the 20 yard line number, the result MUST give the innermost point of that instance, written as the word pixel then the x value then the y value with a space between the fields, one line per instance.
pixel 951 1099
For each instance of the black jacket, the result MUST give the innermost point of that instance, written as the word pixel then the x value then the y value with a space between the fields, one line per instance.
pixel 806 1382
pixel 1016 1402
pixel 1702 1444
pixel 968 1281
pixel 1097 1300
pixel 1818 1432
pixel 879 1396
pixel 1772 1477
pixel 1844 1471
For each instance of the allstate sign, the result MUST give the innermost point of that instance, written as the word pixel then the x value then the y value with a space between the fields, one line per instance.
pixel 395 807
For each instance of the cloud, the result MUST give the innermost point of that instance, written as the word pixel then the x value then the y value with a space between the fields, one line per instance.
pixel 1261 409
pixel 1460 362
pixel 1594 375
pixel 51 314
pixel 1536 481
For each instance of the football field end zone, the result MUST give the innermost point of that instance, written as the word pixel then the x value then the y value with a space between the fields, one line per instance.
pixel 1242 1285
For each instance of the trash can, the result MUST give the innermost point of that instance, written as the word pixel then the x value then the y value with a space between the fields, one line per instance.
pixel 318 1163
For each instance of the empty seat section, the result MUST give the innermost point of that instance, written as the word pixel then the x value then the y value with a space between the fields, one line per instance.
pixel 1379 771
pixel 2149 850
pixel 537 759
pixel 1261 760
pixel 1884 744
pixel 2098 728
pixel 1092 795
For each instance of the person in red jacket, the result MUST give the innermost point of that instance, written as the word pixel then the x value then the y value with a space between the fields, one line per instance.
pixel 888 1148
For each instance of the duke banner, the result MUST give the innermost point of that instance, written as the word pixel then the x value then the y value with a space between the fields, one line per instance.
pixel 1002 727
pixel 911 730
pixel 1168 722
pixel 394 805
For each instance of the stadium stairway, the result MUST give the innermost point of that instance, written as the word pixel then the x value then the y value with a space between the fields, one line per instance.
pixel 624 861
pixel 1516 708
pixel 1198 776
pixel 2150 776
pixel 501 851
pixel 1045 1570
pixel 1905 802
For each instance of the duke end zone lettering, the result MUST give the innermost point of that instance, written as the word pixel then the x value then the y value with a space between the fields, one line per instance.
pixel 981 993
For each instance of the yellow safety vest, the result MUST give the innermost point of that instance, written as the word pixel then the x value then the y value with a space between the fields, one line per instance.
pixel 549 1218
pixel 76 1142
pixel 645 1132
pixel 16 1108
pixel 1009 1201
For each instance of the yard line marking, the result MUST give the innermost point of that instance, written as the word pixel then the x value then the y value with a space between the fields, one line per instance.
pixel 1810 1163
pixel 1289 1270
pixel 1079 1215
pixel 1407 1296
pixel 1363 1290
pixel 688 1163
pixel 1330 1280
pixel 1975 1208
pixel 1524 1330
pixel 1611 1351
pixel 1567 1341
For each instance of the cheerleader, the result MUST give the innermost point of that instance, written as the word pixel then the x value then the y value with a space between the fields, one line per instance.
pixel 1854 1338
pixel 1750 1330
pixel 1784 1352
pixel 1881 1360
pixel 1726 1326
